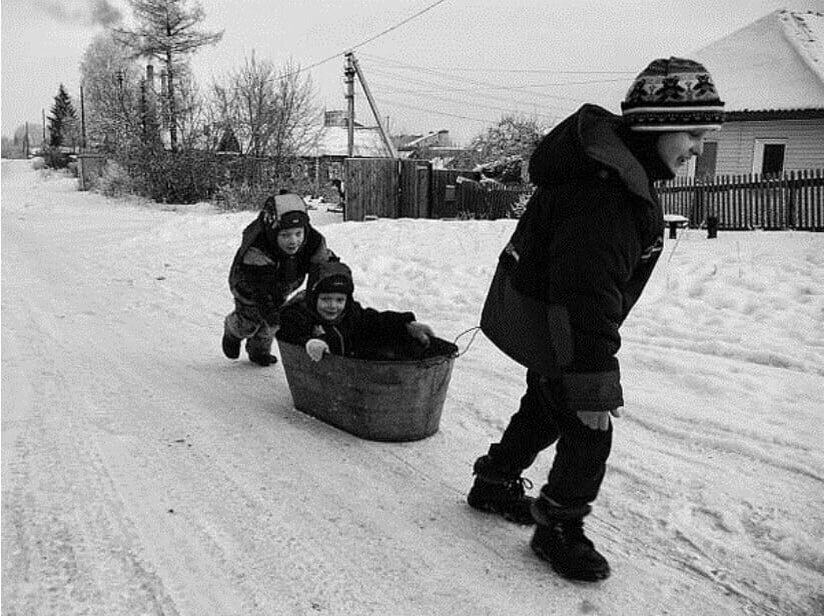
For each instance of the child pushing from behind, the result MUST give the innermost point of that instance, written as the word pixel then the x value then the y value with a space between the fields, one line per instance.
pixel 273 260
pixel 326 319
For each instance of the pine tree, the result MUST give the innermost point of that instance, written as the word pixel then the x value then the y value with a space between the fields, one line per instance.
pixel 63 120
pixel 167 30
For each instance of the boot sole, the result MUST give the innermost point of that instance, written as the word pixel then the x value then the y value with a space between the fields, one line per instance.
pixel 487 507
pixel 575 576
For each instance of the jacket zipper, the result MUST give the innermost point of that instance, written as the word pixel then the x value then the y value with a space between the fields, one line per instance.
pixel 342 345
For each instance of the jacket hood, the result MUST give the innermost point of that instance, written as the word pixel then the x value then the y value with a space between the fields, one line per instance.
pixel 583 145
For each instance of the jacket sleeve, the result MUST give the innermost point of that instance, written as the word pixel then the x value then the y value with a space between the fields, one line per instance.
pixel 322 253
pixel 593 251
pixel 257 284
pixel 384 325
pixel 295 325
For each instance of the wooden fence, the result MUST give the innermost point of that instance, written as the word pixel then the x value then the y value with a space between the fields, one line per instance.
pixel 372 187
pixel 400 188
pixel 392 188
pixel 794 200
pixel 491 201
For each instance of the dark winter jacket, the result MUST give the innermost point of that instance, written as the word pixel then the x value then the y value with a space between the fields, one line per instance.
pixel 578 259
pixel 263 275
pixel 360 332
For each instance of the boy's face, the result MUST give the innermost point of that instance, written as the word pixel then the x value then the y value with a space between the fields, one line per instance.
pixel 290 240
pixel 331 305
pixel 676 149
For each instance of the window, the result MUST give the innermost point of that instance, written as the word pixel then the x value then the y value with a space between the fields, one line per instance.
pixel 773 158
pixel 768 156
pixel 705 164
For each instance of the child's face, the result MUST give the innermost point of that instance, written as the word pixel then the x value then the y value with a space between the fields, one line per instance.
pixel 676 149
pixel 290 240
pixel 331 305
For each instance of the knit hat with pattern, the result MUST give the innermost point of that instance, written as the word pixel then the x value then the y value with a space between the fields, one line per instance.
pixel 285 211
pixel 671 95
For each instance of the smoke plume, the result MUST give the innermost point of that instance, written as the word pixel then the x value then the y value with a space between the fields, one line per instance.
pixel 88 12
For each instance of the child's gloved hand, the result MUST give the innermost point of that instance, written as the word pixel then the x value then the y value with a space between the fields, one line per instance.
pixel 316 348
pixel 420 332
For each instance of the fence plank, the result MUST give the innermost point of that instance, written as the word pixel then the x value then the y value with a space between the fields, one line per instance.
pixel 414 199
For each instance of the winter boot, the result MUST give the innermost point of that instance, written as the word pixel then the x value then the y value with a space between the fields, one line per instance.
pixel 263 359
pixel 231 346
pixel 500 490
pixel 559 539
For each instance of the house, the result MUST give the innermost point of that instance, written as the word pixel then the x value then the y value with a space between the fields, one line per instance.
pixel 331 147
pixel 435 147
pixel 411 146
pixel 770 75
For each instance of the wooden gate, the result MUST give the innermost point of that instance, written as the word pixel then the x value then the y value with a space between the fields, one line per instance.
pixel 371 188
pixel 415 188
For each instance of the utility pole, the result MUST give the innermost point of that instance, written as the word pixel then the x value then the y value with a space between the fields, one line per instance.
pixel 349 72
pixel 82 121
pixel 27 139
pixel 374 108
pixel 43 113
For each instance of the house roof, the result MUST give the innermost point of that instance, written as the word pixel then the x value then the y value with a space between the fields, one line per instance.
pixel 334 141
pixel 775 63
pixel 810 113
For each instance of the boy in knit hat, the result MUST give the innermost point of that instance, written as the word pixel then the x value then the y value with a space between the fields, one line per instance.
pixel 328 320
pixel 572 270
pixel 272 261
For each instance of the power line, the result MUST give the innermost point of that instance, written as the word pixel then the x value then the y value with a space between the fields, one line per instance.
pixel 506 70
pixel 433 111
pixel 369 40
pixel 476 104
pixel 398 25
pixel 483 84
pixel 542 97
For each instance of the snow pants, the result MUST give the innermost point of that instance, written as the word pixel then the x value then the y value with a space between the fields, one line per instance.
pixel 247 322
pixel 580 453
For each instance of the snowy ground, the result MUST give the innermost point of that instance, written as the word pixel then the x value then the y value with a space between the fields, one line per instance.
pixel 144 473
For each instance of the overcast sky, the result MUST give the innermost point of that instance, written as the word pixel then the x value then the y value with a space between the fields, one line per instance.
pixel 459 65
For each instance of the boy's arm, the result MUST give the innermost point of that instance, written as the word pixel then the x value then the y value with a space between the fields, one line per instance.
pixel 256 282
pixel 386 324
pixel 322 253
pixel 295 325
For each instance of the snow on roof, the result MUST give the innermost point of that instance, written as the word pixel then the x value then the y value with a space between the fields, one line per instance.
pixel 334 141
pixel 776 62
pixel 805 31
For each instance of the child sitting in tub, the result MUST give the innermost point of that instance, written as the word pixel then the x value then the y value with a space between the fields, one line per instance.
pixel 326 319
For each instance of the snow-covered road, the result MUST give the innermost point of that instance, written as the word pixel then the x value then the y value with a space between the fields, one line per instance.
pixel 144 474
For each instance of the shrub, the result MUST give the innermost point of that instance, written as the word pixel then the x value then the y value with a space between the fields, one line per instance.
pixel 237 197
pixel 114 181
pixel 55 158
pixel 38 163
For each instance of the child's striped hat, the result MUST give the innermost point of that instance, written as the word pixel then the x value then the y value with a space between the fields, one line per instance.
pixel 671 95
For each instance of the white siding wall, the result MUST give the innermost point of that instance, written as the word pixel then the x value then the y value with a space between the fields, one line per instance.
pixel 736 143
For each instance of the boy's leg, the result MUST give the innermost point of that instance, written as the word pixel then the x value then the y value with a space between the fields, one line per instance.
pixel 574 481
pixel 259 345
pixel 240 324
pixel 498 485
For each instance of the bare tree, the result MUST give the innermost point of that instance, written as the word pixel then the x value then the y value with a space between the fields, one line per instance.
pixel 296 113
pixel 167 30
pixel 270 112
pixel 111 93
